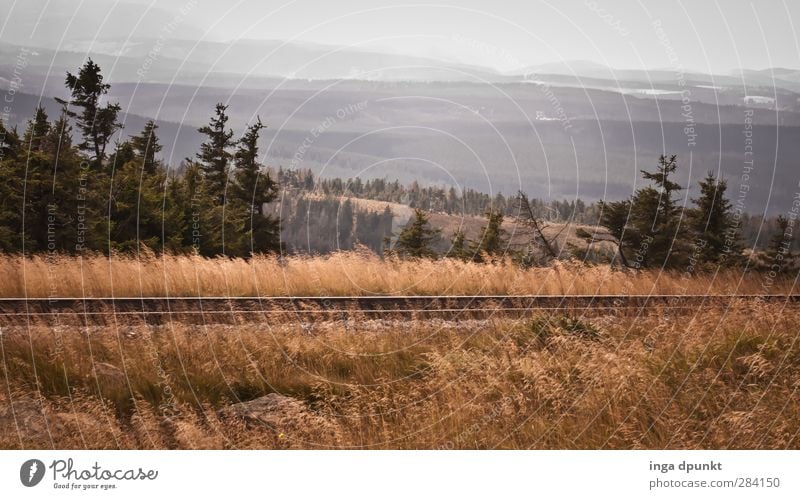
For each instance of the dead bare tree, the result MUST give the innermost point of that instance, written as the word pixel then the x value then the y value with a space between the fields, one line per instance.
pixel 597 236
pixel 527 217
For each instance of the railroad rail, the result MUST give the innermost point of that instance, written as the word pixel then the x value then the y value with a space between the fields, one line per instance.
pixel 237 309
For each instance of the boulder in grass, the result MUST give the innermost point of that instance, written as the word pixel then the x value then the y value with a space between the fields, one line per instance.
pixel 109 373
pixel 24 415
pixel 286 416
pixel 24 421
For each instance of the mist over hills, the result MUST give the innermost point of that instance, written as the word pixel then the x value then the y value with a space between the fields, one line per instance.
pixel 562 130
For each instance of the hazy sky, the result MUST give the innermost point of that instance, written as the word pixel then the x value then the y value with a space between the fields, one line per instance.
pixel 705 35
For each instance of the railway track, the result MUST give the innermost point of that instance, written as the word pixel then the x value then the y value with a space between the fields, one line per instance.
pixel 15 311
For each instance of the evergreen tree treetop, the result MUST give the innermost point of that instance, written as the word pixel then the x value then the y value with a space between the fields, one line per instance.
pixel 146 145
pixel 96 123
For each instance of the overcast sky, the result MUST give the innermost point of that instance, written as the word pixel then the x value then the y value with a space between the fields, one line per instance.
pixel 704 35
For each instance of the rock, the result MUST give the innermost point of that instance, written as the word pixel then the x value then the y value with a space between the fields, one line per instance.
pixel 110 377
pixel 22 414
pixel 273 410
pixel 75 421
pixel 31 422
pixel 285 416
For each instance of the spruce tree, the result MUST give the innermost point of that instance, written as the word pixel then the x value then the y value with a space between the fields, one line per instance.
pixel 459 247
pixel 417 238
pixel 37 177
pixel 656 218
pixel 614 219
pixel 345 225
pixel 123 153
pixel 11 188
pixel 146 146
pixel 712 224
pixel 253 187
pixel 137 200
pixel 96 122
pixel 215 154
pixel 203 231
pixel 36 133
pixel 779 257
pixel 9 142
pixel 59 137
pixel 136 204
pixel 492 239
pixel 647 227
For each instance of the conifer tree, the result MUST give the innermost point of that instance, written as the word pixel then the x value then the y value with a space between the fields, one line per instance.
pixel 215 153
pixel 716 236
pixel 11 186
pixel 123 153
pixel 137 202
pixel 656 219
pixel 37 179
pixel 614 219
pixel 253 187
pixel 779 257
pixel 146 146
pixel 647 227
pixel 9 142
pixel 59 138
pixel 36 133
pixel 96 122
pixel 345 225
pixel 459 247
pixel 492 239
pixel 417 238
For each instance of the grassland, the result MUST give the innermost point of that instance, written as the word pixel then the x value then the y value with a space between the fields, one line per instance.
pixel 714 379
pixel 346 274
pixel 708 379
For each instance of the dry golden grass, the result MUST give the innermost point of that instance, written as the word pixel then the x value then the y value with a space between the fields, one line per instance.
pixel 717 379
pixel 344 274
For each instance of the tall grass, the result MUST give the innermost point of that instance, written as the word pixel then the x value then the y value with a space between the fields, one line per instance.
pixel 717 379
pixel 346 273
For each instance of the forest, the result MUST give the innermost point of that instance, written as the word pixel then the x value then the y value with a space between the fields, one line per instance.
pixel 69 187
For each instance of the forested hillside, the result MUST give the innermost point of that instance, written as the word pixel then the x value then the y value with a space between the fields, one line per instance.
pixel 70 186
